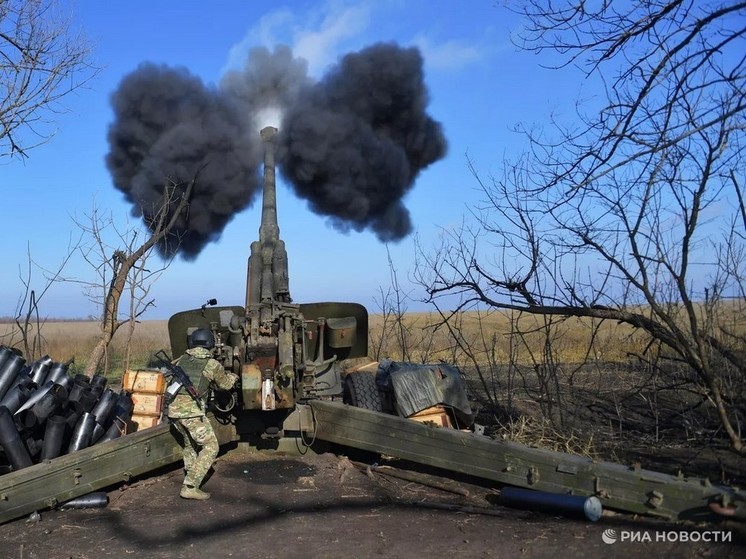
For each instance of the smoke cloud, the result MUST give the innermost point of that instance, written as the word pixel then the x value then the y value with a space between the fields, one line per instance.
pixel 169 126
pixel 351 144
pixel 268 83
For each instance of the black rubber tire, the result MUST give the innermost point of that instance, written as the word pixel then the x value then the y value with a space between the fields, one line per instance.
pixel 360 390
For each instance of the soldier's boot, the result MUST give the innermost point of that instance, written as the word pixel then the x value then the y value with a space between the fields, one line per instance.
pixel 188 492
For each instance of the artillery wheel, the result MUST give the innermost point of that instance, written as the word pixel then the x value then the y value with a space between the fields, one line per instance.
pixel 360 390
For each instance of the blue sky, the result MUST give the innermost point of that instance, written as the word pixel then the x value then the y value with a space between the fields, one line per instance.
pixel 480 86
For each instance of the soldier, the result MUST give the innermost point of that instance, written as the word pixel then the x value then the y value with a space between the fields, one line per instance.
pixel 200 444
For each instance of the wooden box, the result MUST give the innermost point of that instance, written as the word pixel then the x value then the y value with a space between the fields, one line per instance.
pixel 140 422
pixel 144 381
pixel 436 415
pixel 147 404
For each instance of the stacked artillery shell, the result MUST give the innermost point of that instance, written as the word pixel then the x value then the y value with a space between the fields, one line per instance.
pixel 98 384
pixel 54 435
pixel 32 397
pixel 19 393
pixel 40 369
pixel 7 375
pixel 11 365
pixel 50 399
pixel 11 441
pixel 57 372
pixel 81 392
pixel 121 416
pixel 45 412
pixel 103 413
pixel 81 437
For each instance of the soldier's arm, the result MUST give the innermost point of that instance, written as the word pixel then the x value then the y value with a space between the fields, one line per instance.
pixel 222 379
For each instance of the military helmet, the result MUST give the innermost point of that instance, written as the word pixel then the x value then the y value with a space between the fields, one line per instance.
pixel 201 338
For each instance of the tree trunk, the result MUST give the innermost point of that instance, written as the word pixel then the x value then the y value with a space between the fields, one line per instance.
pixel 109 322
pixel 97 355
pixel 722 412
pixel 122 264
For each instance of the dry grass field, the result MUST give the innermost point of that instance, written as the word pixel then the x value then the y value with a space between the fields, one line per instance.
pixel 496 337
pixel 67 340
pixel 570 385
pixel 418 337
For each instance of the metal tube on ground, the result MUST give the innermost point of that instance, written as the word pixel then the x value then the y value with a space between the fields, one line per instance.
pixel 12 365
pixel 17 396
pixel 54 435
pixel 58 371
pixel 37 395
pixel 81 437
pixel 78 388
pixel 5 352
pixel 117 428
pixel 33 445
pixel 589 508
pixel 124 404
pixel 88 400
pixel 98 432
pixel 5 380
pixel 65 381
pixel 11 441
pixel 73 413
pixel 103 413
pixel 105 406
pixel 52 400
pixel 121 414
pixel 22 377
pixel 98 380
pixel 92 500
pixel 98 383
pixel 7 377
pixel 40 369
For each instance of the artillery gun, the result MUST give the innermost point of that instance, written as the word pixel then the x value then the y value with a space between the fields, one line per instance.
pixel 283 352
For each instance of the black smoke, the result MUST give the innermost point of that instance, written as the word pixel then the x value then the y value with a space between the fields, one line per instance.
pixel 355 141
pixel 351 144
pixel 170 127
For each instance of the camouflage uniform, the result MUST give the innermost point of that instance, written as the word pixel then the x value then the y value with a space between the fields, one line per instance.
pixel 200 442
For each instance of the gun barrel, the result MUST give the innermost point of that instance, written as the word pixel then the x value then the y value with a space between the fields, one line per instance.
pixel 267 275
pixel 269 229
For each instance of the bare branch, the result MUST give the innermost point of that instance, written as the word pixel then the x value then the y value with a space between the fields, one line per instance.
pixel 41 61
pixel 630 216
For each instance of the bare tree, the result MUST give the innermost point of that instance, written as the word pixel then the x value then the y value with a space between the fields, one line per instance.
pixel 122 269
pixel 41 61
pixel 636 214
pixel 378 335
pixel 29 321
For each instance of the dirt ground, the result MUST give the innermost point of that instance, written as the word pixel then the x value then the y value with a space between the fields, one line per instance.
pixel 322 505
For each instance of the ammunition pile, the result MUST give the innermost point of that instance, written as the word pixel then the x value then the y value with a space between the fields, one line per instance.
pixel 45 412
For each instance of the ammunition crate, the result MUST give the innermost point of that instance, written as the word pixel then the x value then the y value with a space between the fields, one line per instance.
pixel 153 382
pixel 436 415
pixel 147 404
pixel 141 421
